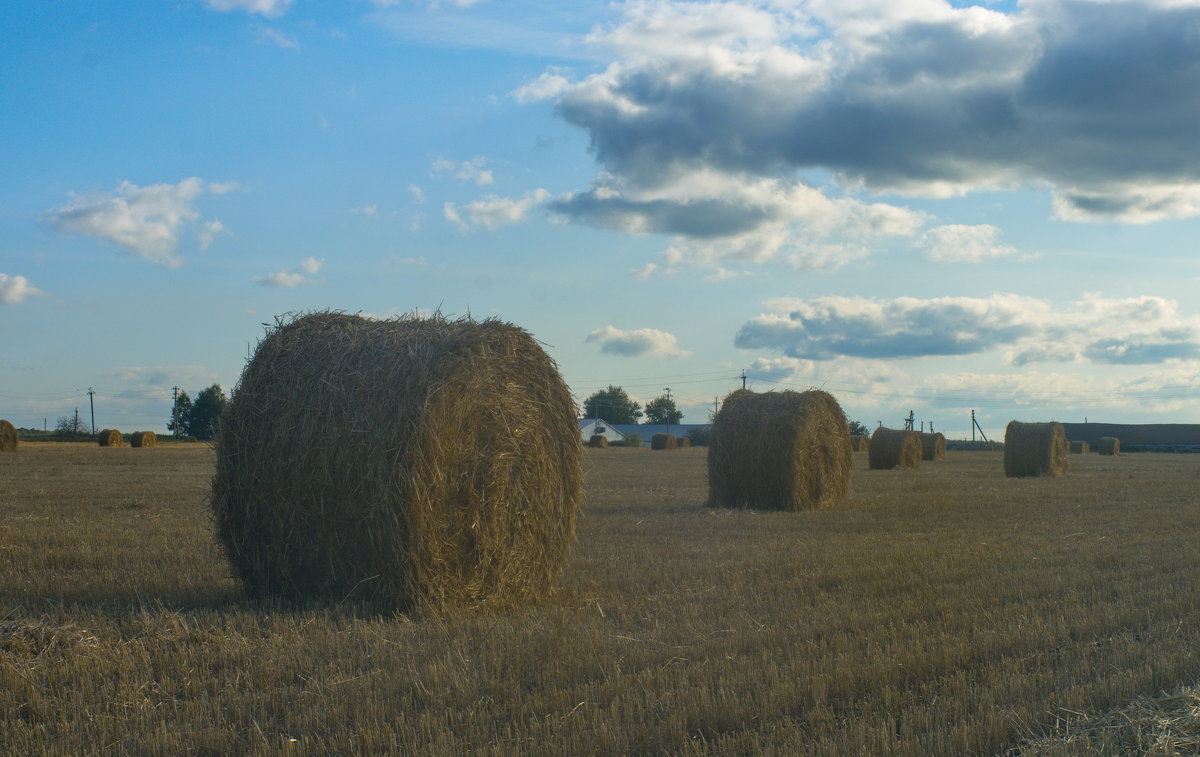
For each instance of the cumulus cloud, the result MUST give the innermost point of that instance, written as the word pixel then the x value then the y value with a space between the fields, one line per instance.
pixel 14 290
pixel 492 212
pixel 279 39
pixel 1025 330
pixel 468 170
pixel 268 8
pixel 1096 100
pixel 636 343
pixel 146 221
pixel 957 243
pixel 293 277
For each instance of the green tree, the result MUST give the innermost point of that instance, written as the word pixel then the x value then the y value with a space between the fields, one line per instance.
pixel 663 410
pixel 181 415
pixel 72 425
pixel 858 429
pixel 206 412
pixel 613 405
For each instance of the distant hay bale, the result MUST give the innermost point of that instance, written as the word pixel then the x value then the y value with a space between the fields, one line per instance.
pixel 663 441
pixel 860 442
pixel 779 451
pixel 682 441
pixel 110 437
pixel 933 446
pixel 143 439
pixel 1035 449
pixel 895 448
pixel 1109 445
pixel 416 463
pixel 1080 448
pixel 598 440
pixel 8 437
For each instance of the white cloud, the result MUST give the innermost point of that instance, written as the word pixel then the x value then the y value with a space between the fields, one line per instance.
pixel 146 221
pixel 468 170
pixel 279 39
pixel 293 277
pixel 636 343
pixel 417 193
pixel 268 8
pixel 492 212
pixel 207 231
pixel 546 87
pixel 14 290
pixel 366 210
pixel 957 243
pixel 1024 330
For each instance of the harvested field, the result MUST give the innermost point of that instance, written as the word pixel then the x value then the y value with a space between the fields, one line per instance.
pixel 947 611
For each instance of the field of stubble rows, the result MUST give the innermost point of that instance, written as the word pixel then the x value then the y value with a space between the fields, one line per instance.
pixel 944 611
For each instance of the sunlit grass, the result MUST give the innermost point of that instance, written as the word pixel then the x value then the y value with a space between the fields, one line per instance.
pixel 946 610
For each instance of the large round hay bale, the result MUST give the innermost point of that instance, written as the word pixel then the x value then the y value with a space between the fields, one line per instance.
pixel 110 437
pixel 1109 445
pixel 933 446
pixel 682 441
pixel 1080 448
pixel 416 463
pixel 663 441
pixel 894 448
pixel 1035 449
pixel 8 437
pixel 143 439
pixel 779 451
pixel 598 440
pixel 860 442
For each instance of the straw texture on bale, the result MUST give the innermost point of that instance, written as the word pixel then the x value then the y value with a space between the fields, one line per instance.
pixel 110 437
pixel 663 441
pixel 1035 449
pixel 8 437
pixel 598 440
pixel 860 442
pixel 1109 445
pixel 415 463
pixel 1080 448
pixel 933 446
pixel 143 439
pixel 779 451
pixel 895 448
pixel 682 441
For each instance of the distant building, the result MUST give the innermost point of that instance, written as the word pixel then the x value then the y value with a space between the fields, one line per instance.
pixel 1145 437
pixel 647 430
pixel 589 427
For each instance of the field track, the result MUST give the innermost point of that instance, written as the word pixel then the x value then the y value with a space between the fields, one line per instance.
pixel 945 610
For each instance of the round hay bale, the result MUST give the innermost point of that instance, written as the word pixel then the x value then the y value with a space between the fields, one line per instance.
pixel 779 451
pixel 895 448
pixel 663 441
pixel 933 446
pixel 110 437
pixel 415 463
pixel 1109 445
pixel 682 441
pixel 1035 449
pixel 8 437
pixel 860 442
pixel 143 439
pixel 598 440
pixel 1080 448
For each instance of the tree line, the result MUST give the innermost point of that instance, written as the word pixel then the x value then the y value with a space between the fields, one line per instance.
pixel 199 418
pixel 615 406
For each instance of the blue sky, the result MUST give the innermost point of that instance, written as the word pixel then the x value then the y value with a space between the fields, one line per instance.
pixel 916 205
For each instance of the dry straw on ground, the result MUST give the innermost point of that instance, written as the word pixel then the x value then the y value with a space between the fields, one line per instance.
pixel 598 440
pixel 418 463
pixel 110 437
pixel 683 441
pixel 1109 445
pixel 143 439
pixel 779 451
pixel 860 442
pixel 933 446
pixel 895 448
pixel 663 441
pixel 1035 449
pixel 1080 448
pixel 8 437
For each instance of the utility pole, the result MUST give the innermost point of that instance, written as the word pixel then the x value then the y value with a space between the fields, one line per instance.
pixel 743 378
pixel 972 425
pixel 75 426
pixel 908 422
pixel 92 402
pixel 668 408
pixel 175 411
